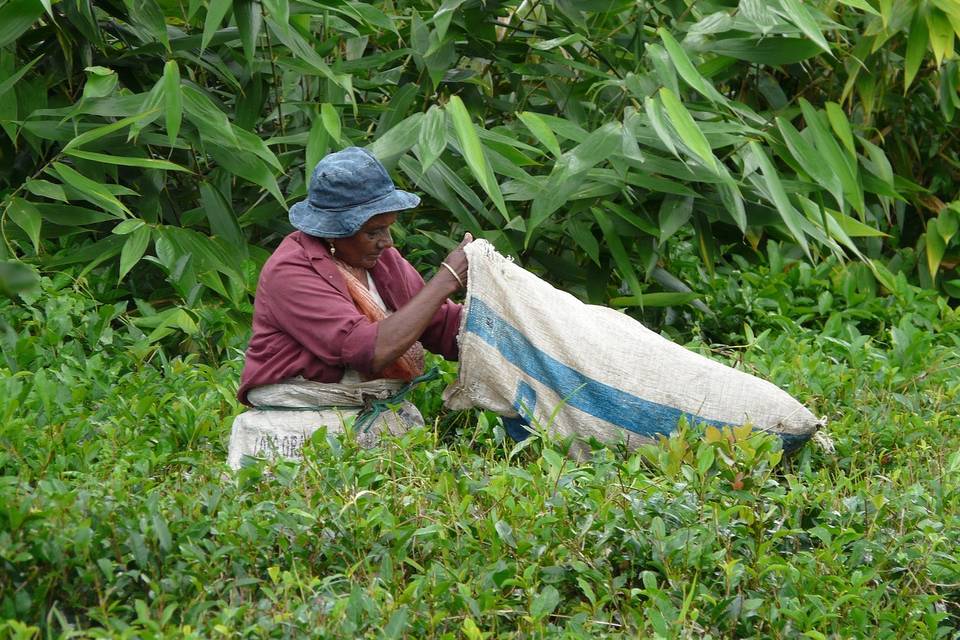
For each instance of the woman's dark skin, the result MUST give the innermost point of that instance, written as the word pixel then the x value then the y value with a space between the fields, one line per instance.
pixel 401 329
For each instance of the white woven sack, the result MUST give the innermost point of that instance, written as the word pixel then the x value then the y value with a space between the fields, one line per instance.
pixel 282 429
pixel 529 350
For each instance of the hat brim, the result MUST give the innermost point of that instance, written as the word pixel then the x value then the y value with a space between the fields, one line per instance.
pixel 343 223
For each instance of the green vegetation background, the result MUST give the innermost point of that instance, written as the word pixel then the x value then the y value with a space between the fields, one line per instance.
pixel 770 183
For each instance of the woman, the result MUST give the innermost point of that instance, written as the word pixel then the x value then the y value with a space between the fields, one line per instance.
pixel 336 303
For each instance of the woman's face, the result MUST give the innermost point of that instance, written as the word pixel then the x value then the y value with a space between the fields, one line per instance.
pixel 363 248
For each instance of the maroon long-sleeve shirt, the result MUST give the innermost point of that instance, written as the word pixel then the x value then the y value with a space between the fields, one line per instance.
pixel 306 324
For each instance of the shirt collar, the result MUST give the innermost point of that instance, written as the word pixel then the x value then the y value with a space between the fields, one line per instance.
pixel 315 248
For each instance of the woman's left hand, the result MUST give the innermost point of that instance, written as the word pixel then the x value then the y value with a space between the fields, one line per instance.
pixel 456 265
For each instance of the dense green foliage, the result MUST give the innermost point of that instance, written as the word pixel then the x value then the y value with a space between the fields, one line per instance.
pixel 116 517
pixel 770 182
pixel 159 143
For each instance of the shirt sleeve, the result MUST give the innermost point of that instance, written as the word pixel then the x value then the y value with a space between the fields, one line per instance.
pixel 309 308
pixel 440 336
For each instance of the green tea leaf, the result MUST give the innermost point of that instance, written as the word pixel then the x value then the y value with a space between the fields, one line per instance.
pixel 544 602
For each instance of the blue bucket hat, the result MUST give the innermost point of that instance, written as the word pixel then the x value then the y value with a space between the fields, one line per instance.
pixel 347 188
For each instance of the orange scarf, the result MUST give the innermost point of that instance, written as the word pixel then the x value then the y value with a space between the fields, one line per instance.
pixel 410 364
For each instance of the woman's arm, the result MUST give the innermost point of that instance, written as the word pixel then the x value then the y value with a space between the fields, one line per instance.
pixel 401 329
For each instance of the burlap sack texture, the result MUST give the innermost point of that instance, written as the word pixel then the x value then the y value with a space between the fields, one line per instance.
pixel 530 350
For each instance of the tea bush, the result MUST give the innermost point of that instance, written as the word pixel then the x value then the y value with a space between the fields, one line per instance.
pixel 118 517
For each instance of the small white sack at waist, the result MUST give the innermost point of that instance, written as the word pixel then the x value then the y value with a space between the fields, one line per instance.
pixel 279 424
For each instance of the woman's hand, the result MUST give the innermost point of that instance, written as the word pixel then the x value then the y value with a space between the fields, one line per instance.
pixel 404 327
pixel 456 263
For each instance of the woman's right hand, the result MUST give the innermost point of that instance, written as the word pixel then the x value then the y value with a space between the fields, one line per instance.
pixel 457 261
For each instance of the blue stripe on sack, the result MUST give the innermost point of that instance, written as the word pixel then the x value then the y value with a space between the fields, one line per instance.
pixel 593 397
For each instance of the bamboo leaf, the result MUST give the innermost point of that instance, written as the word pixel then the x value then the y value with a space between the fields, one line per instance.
pixel 7 84
pixel 216 10
pixel 686 69
pixel 674 214
pixel 317 143
pixel 541 131
pixel 940 34
pixel 841 126
pixel 331 121
pixel 250 168
pixel 473 153
pixel 107 129
pixel 854 228
pixel 211 122
pixel 862 5
pixel 126 161
pixel 127 226
pixel 618 251
pixel 791 217
pixel 657 299
pixel 935 249
pixel 16 17
pixel 837 162
pixel 223 222
pixel 432 138
pixel 249 20
pixel 133 249
pixel 770 51
pixel 686 127
pixel 94 191
pixel 799 15
pixel 658 121
pixel 917 42
pixel 397 140
pixel 172 100
pixel 26 216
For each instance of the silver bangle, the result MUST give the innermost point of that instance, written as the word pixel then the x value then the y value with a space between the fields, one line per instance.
pixel 453 272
